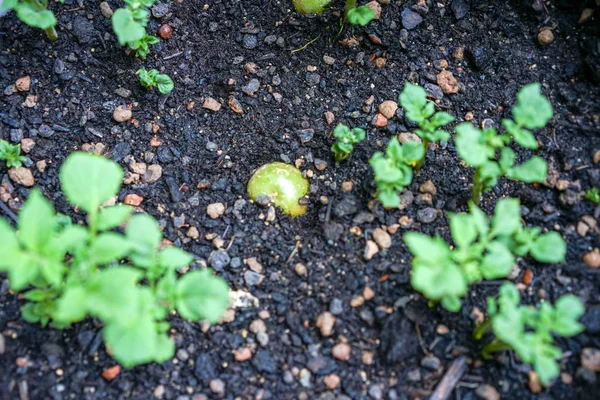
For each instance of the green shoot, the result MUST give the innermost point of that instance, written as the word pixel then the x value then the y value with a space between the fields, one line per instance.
pixel 592 194
pixel 354 15
pixel 129 24
pixel 69 271
pixel 153 78
pixel 418 110
pixel 11 154
pixel 488 152
pixel 393 170
pixel 529 331
pixel 34 13
pixel 482 251
pixel 347 138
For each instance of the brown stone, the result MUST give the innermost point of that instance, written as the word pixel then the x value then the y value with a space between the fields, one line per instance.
pixel 341 351
pixel 388 108
pixel 133 200
pixel 211 104
pixel 447 82
pixel 23 84
pixel 21 176
pixel 379 121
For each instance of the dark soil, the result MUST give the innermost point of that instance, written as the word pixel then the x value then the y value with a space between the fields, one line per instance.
pixel 76 77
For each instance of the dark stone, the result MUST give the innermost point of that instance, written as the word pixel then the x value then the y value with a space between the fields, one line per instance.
pixel 16 135
pixel 306 135
pixel 427 215
pixel 164 155
pixel 45 131
pixel 205 370
pixel 219 260
pixel 398 339
pixel 348 206
pixel 84 30
pixel 460 8
pixel 478 57
pixel 591 320
pixel 363 217
pixel 333 231
pixel 120 150
pixel 434 91
pixel 321 365
pixel 173 189
pixel 250 41
pixel 263 361
pixel 410 19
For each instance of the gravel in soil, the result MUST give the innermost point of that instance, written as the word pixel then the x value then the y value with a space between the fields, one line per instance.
pixel 241 100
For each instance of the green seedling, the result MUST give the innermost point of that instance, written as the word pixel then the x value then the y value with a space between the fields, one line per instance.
pixel 393 170
pixel 34 13
pixel 529 331
pixel 361 15
pixel 418 110
pixel 592 194
pixel 153 78
pixel 11 154
pixel 70 271
pixel 482 251
pixel 283 184
pixel 347 138
pixel 489 153
pixel 129 24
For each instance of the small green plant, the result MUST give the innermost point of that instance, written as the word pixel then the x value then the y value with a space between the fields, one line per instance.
pixel 11 154
pixel 592 194
pixel 488 152
pixel 393 170
pixel 482 251
pixel 70 271
pixel 361 15
pixel 34 13
pixel 153 78
pixel 529 331
pixel 418 110
pixel 347 138
pixel 129 24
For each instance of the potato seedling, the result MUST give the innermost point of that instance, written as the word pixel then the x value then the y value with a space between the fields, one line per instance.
pixel 482 251
pixel 418 110
pixel 129 24
pixel 70 271
pixel 393 170
pixel 282 183
pixel 34 13
pixel 153 78
pixel 529 331
pixel 347 138
pixel 361 15
pixel 488 152
pixel 11 154
pixel 591 194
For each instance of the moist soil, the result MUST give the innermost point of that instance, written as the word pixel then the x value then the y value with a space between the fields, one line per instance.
pixel 400 348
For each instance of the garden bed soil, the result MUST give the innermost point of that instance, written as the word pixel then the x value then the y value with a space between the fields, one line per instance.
pixel 399 347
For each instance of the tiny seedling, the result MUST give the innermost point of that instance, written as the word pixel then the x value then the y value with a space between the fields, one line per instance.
pixel 347 138
pixel 489 153
pixel 393 170
pixel 418 110
pixel 34 13
pixel 69 271
pixel 529 331
pixel 592 194
pixel 11 154
pixel 361 15
pixel 153 78
pixel 482 251
pixel 129 24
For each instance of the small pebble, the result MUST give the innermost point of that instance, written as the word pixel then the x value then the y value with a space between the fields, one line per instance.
pixel 341 351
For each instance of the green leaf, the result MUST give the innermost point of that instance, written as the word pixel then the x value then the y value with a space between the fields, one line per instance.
pixel 507 217
pixel 451 303
pixel 479 218
pixel 109 247
pixel 412 152
pixel 497 262
pixel 164 83
pixel 174 257
pixel 441 118
pixel 42 19
pixel 341 150
pixel 111 217
pixel 437 282
pixel 549 248
pixel 463 229
pixel 132 342
pixel 470 145
pixel 201 296
pixel 533 170
pixel 389 198
pixel 342 132
pixel 427 249
pixel 142 230
pixel 126 27
pixel 52 272
pixel 8 242
pixel 532 110
pixel 71 239
pixel 360 15
pixel 310 6
pixel 165 348
pixel 113 294
pixel 89 180
pixel 521 136
pixel 357 135
pixel 507 159
pixel 36 222
pixel 8 4
pixel 568 310
pixel 22 271
pixel 71 306
pixel 413 99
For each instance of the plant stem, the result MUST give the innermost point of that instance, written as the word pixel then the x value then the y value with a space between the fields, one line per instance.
pixel 477 187
pixel 420 162
pixel 51 33
pixel 494 346
pixel 482 329
pixel 350 4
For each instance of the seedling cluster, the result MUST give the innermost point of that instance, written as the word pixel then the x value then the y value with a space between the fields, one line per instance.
pixel 129 24
pixel 11 154
pixel 529 331
pixel 153 78
pixel 354 15
pixel 347 138
pixel 127 280
pixel 482 250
